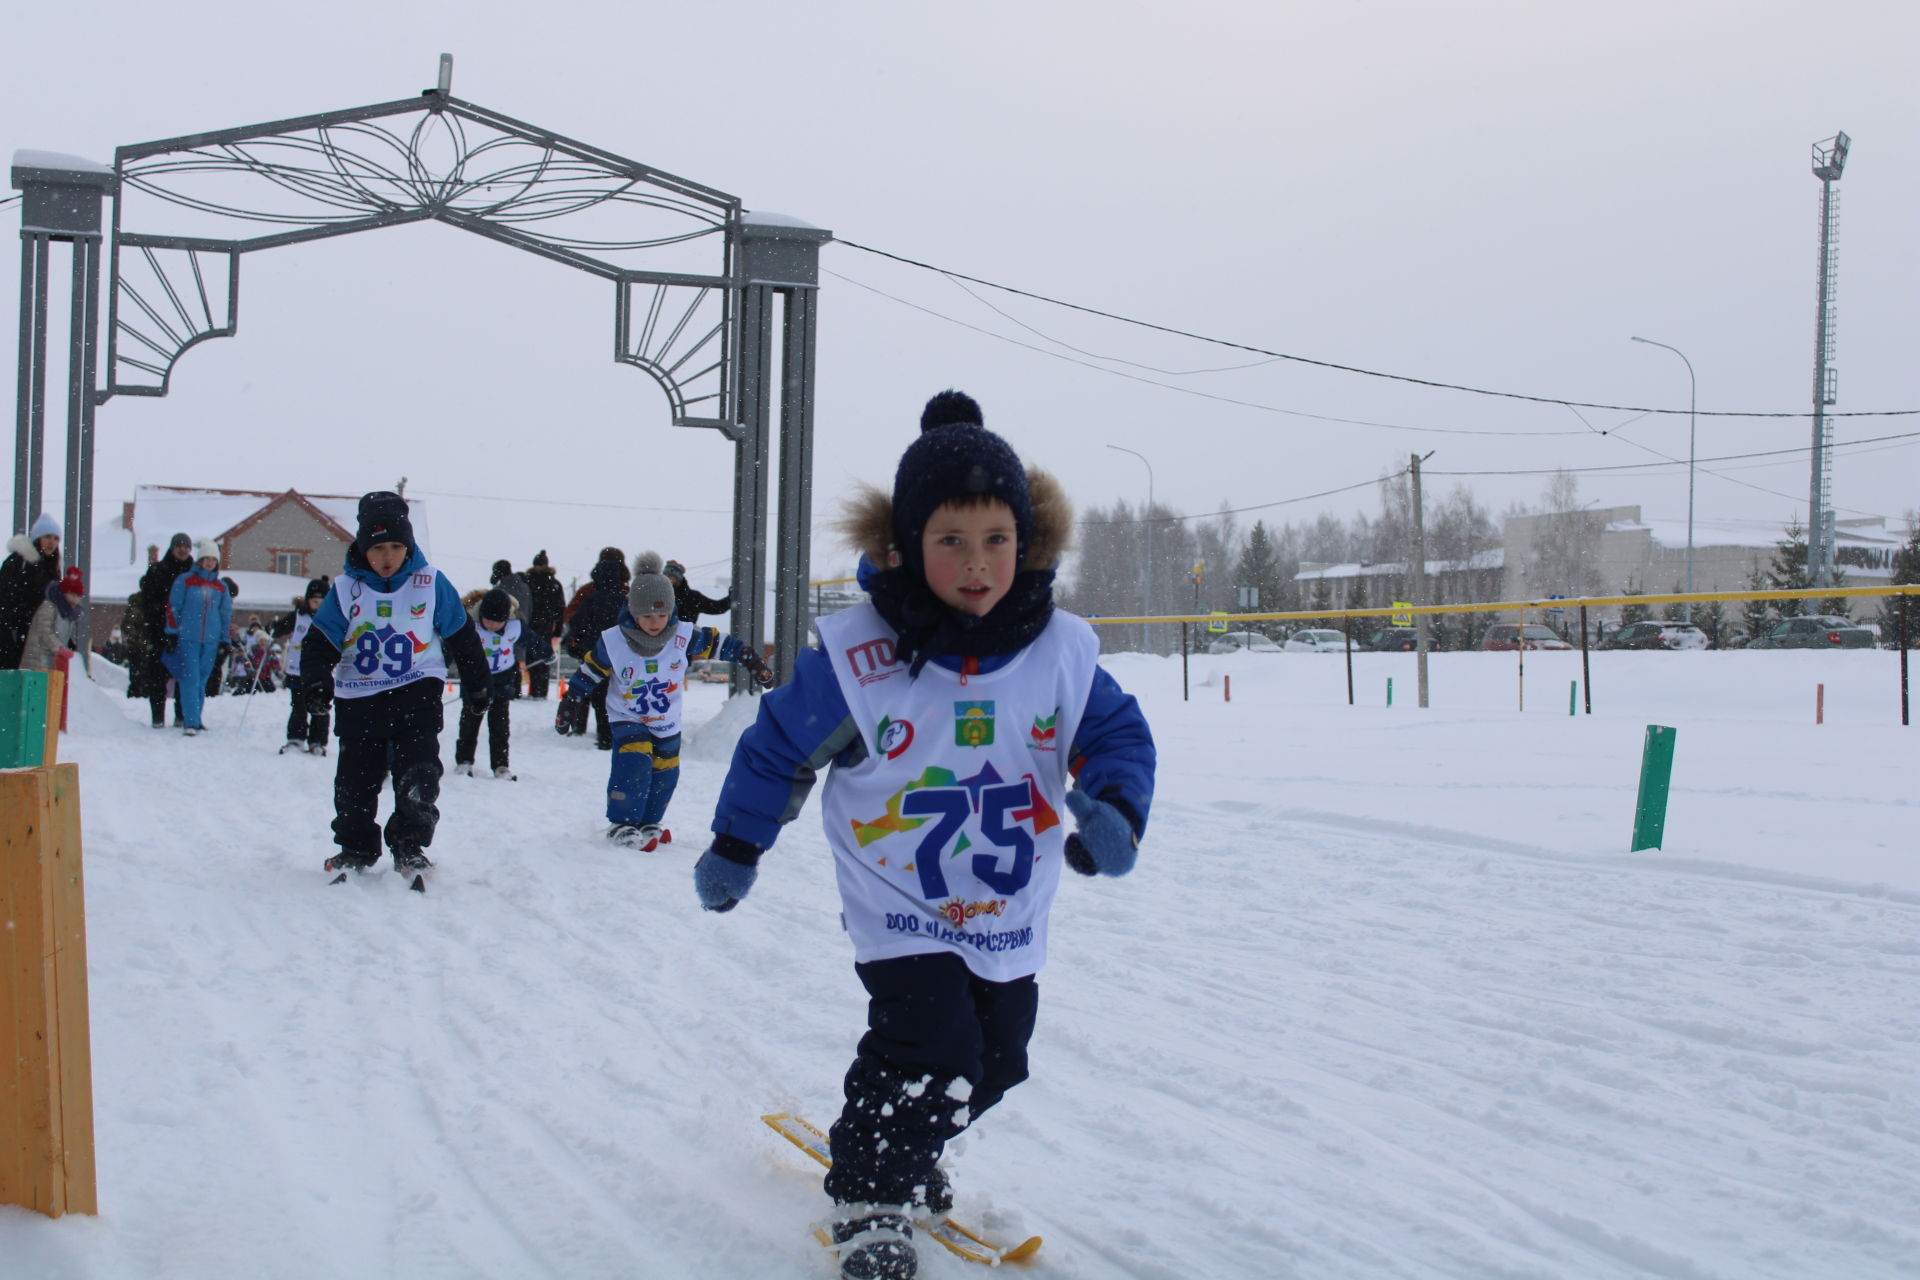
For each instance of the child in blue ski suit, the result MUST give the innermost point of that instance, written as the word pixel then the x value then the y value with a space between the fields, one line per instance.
pixel 199 613
pixel 956 709
pixel 379 649
pixel 644 658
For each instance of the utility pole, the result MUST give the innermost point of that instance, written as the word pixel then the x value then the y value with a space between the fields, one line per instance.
pixel 1419 579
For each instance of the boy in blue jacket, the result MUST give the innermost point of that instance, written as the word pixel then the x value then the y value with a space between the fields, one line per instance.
pixel 644 658
pixel 199 614
pixel 378 649
pixel 961 714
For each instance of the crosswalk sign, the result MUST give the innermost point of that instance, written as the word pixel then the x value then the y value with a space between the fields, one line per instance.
pixel 1217 621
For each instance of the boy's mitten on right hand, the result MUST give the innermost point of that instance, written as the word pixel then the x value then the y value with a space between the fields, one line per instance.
pixel 725 872
pixel 762 673
pixel 1104 844
pixel 570 720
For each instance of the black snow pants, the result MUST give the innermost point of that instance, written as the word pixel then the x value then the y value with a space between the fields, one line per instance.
pixel 942 1046
pixel 303 725
pixel 499 718
pixel 392 734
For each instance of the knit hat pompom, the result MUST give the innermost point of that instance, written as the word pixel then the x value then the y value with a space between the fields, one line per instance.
pixel 540 559
pixel 318 587
pixel 496 606
pixel 955 457
pixel 71 583
pixel 651 592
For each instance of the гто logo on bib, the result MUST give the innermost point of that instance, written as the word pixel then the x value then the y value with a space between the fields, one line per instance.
pixel 894 737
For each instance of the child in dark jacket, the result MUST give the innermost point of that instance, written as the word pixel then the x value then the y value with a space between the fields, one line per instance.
pixel 643 662
pixel 306 726
pixel 379 646
pixel 956 711
pixel 502 638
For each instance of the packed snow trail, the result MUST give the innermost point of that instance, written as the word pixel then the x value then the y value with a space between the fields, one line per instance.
pixel 1305 1038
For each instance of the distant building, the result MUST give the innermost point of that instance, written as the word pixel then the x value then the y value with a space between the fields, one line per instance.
pixel 1378 585
pixel 1628 553
pixel 271 543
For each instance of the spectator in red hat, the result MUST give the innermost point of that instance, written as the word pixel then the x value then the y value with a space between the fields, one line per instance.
pixel 56 623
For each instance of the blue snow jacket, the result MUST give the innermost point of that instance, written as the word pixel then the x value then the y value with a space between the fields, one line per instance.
pixel 804 726
pixel 199 607
pixel 458 639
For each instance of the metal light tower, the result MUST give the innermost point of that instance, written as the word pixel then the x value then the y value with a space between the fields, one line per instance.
pixel 1829 160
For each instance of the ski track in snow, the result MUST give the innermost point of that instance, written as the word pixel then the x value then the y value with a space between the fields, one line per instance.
pixel 1306 1038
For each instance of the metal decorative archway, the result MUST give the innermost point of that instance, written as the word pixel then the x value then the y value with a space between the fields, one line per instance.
pixel 698 283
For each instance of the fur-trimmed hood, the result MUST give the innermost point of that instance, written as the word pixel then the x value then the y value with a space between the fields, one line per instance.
pixel 473 598
pixel 21 545
pixel 867 523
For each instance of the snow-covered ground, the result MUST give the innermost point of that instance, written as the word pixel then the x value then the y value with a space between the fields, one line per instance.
pixel 1386 997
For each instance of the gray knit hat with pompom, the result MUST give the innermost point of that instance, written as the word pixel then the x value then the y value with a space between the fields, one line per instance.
pixel 650 592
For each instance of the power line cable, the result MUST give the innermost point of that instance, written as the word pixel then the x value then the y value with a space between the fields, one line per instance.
pixel 1344 368
pixel 1188 391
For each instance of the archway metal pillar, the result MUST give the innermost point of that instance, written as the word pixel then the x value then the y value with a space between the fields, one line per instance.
pixel 62 199
pixel 780 258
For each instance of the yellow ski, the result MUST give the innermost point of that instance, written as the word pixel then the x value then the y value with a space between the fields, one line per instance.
pixel 952 1235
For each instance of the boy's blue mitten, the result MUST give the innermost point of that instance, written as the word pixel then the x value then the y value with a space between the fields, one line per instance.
pixel 1104 844
pixel 725 872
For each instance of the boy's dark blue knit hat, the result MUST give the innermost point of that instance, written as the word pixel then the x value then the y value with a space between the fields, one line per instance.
pixel 496 606
pixel 383 518
pixel 955 457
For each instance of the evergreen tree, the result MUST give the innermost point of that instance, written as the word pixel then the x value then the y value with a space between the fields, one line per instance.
pixel 1756 616
pixel 1259 570
pixel 1674 611
pixel 1902 613
pixel 1789 571
pixel 1632 613
pixel 1712 619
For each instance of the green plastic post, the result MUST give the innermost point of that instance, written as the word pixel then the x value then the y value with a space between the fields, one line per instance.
pixel 1656 776
pixel 1389 690
pixel 23 719
pixel 1573 697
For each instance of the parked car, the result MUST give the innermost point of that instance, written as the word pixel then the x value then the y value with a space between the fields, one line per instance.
pixel 1242 642
pixel 711 671
pixel 1509 636
pixel 1657 635
pixel 1315 640
pixel 1400 640
pixel 1816 632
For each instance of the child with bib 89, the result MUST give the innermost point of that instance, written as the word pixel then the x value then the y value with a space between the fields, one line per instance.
pixel 962 716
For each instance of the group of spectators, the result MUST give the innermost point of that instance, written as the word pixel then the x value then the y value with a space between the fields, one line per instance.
pixel 40 615
pixel 39 605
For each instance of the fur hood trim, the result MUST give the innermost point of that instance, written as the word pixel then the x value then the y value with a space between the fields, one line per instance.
pixel 866 521
pixel 21 545
pixel 473 598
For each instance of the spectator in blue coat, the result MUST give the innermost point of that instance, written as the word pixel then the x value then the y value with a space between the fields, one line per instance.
pixel 199 613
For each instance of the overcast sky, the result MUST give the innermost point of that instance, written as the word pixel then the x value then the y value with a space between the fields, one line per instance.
pixel 1496 195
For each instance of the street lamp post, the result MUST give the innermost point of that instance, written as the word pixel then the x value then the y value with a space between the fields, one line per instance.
pixel 1146 586
pixel 1692 408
